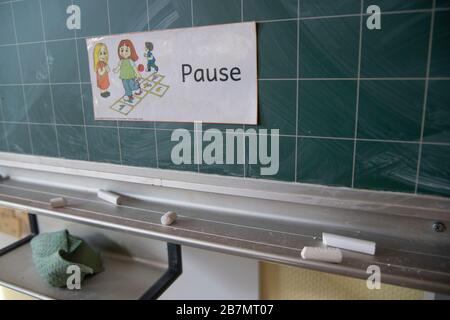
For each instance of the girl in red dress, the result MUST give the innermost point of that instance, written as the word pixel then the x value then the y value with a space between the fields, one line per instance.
pixel 101 68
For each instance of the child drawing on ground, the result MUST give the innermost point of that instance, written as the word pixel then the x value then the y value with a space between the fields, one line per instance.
pixel 151 61
pixel 101 68
pixel 127 69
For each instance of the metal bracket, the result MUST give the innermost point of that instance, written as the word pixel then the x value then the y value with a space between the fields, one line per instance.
pixel 173 272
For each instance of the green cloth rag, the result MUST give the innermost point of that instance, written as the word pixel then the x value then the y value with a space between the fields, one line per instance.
pixel 54 252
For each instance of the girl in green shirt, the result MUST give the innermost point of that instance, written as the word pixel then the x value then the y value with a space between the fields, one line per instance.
pixel 127 70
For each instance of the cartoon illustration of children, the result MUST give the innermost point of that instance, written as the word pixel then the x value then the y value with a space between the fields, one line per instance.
pixel 151 61
pixel 101 68
pixel 127 69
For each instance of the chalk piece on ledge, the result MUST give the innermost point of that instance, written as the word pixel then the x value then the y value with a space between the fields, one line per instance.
pixel 168 218
pixel 332 255
pixel 58 202
pixel 348 243
pixel 109 196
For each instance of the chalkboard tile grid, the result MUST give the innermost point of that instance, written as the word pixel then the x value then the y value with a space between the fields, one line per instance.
pixel 350 111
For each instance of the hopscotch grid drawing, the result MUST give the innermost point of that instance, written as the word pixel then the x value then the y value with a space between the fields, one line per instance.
pixel 152 84
pixel 433 10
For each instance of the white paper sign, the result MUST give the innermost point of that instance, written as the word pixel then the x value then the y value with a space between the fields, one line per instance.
pixel 206 74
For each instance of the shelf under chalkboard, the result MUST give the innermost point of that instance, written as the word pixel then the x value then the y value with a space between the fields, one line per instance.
pixel 124 277
pixel 403 259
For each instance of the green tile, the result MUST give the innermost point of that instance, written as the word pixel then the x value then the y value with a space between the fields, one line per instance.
pixel 136 124
pixel 399 48
pixel 235 170
pixel 138 147
pixel 437 117
pixel 169 14
pixel 44 140
pixel 84 60
pixel 174 125
pixel 399 5
pixel 89 119
pixel 386 166
pixel 13 104
pixel 67 102
pixel 28 19
pixel 434 177
pixel 277 109
pixel 442 3
pixel 277 49
pixel 440 62
pixel 55 19
pixel 325 161
pixel 34 63
pixel 314 8
pixel 9 65
pixel 286 171
pixel 72 142
pixel 103 144
pixel 329 47
pixel 327 108
pixel 62 59
pixel 222 127
pixel 3 142
pixel 256 10
pixel 221 166
pixel 128 16
pixel 39 103
pixel 216 11
pixel 6 25
pixel 94 17
pixel 165 146
pixel 391 109
pixel 18 138
pixel 236 139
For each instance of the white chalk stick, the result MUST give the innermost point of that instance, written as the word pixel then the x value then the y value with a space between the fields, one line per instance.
pixel 109 196
pixel 58 202
pixel 332 255
pixel 168 218
pixel 358 245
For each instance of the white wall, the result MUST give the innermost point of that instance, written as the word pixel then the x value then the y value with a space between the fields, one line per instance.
pixel 209 275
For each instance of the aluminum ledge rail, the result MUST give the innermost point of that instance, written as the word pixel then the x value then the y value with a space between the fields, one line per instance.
pixel 258 219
